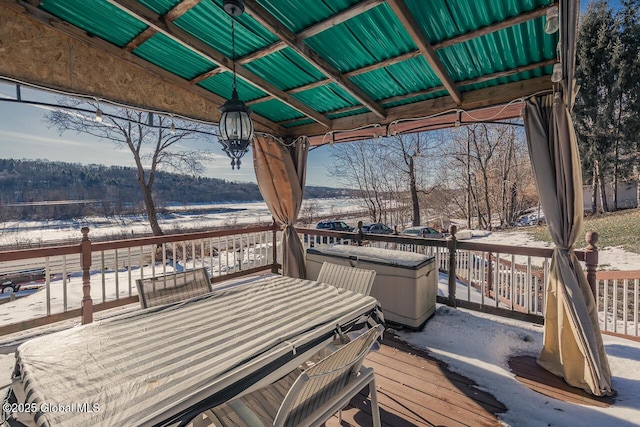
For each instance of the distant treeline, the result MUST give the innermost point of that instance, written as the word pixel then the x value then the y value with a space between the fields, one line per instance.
pixel 28 189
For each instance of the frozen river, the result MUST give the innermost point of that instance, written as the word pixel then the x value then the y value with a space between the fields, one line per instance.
pixel 181 219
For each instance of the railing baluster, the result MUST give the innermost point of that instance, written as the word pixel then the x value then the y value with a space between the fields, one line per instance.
pixel 117 272
pixel 615 305
pixel 625 298
pixel 483 283
pixel 606 304
pixel 47 285
pixel 527 281
pixel 129 270
pixel 497 280
pixel 513 281
pixel 64 284
pixel 102 276
pixel 636 307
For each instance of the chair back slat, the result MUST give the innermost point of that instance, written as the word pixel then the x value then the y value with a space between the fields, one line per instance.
pixel 173 287
pixel 324 381
pixel 350 278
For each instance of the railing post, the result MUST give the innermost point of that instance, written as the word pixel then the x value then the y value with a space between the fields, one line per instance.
pixel 85 262
pixel 274 249
pixel 591 260
pixel 452 246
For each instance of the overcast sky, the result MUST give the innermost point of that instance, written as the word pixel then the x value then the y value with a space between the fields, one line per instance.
pixel 24 135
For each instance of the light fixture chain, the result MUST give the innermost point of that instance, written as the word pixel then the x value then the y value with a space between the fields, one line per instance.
pixel 233 51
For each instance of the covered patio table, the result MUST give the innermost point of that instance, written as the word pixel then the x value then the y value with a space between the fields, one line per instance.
pixel 165 365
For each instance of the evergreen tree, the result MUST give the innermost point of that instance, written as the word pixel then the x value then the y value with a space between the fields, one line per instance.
pixel 607 105
pixel 595 118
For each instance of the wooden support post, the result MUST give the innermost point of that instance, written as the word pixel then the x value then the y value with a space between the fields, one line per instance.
pixel 591 260
pixel 85 262
pixel 274 249
pixel 452 246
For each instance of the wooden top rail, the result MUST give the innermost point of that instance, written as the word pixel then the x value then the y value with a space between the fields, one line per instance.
pixel 39 252
pixel 504 249
pixel 618 275
pixel 157 240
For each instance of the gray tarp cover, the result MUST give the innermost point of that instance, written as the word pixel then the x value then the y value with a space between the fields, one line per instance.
pixel 146 366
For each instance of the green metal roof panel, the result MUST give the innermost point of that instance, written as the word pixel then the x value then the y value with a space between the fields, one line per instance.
pixel 221 84
pixel 367 39
pixel 161 7
pixel 210 23
pixel 97 17
pixel 326 98
pixel 397 79
pixel 285 69
pixel 172 56
pixel 499 51
pixel 442 19
pixel 276 110
pixel 297 15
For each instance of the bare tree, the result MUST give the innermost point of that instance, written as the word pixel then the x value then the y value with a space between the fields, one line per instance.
pixel 497 178
pixel 360 164
pixel 152 140
pixel 414 156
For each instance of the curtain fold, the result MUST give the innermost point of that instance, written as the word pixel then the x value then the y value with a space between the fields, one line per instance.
pixel 572 347
pixel 281 175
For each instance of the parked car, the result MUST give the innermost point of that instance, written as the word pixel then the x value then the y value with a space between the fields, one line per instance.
pixel 12 282
pixel 9 287
pixel 422 232
pixel 334 226
pixel 377 228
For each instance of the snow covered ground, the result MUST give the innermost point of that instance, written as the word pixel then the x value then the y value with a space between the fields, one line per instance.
pixel 473 344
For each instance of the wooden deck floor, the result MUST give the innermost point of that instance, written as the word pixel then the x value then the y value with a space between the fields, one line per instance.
pixel 417 390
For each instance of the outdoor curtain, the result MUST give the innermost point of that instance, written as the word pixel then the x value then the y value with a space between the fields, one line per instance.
pixel 281 175
pixel 572 345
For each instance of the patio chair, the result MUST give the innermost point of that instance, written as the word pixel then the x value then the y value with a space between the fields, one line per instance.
pixel 350 278
pixel 173 287
pixel 309 397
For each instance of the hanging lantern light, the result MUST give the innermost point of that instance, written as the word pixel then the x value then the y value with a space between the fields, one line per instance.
pixel 236 127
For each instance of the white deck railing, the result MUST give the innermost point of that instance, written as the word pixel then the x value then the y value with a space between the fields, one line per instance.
pixel 508 280
pixel 59 275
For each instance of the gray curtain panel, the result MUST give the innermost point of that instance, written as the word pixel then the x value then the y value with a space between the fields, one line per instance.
pixel 281 175
pixel 572 346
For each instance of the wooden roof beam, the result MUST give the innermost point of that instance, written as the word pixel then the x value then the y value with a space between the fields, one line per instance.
pixel 480 98
pixel 267 20
pixel 317 28
pixel 186 40
pixel 411 26
pixel 179 10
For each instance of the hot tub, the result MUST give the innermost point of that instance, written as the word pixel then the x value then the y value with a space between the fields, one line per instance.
pixel 405 285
